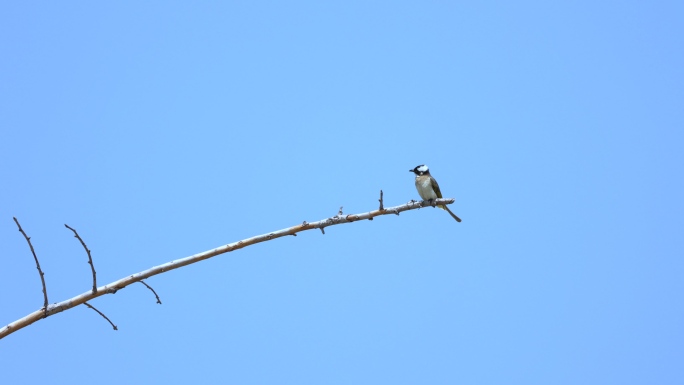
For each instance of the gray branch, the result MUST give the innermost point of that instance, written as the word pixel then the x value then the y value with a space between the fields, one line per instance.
pixel 137 277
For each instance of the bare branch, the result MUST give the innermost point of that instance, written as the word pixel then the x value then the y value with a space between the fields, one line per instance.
pixel 40 272
pixel 100 313
pixel 155 293
pixel 137 277
pixel 90 259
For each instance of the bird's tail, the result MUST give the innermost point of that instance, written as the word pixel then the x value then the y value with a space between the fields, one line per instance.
pixel 449 211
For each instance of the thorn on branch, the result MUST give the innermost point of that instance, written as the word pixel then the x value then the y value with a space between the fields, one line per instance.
pixel 90 258
pixel 100 313
pixel 155 293
pixel 322 231
pixel 40 272
pixel 381 205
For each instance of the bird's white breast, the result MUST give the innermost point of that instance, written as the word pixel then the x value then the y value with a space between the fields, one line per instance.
pixel 424 187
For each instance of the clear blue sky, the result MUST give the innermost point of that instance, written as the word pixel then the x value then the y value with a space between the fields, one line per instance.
pixel 159 130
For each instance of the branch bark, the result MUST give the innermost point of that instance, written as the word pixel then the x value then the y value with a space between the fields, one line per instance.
pixel 137 277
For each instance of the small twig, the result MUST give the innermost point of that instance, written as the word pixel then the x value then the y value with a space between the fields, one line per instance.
pixel 100 313
pixel 340 212
pixel 322 231
pixel 381 205
pixel 155 293
pixel 90 259
pixel 42 275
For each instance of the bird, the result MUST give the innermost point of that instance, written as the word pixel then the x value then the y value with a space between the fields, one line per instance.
pixel 427 187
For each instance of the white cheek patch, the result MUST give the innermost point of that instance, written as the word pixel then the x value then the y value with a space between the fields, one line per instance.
pixel 422 168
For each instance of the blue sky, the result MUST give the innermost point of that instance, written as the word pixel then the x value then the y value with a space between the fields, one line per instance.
pixel 160 130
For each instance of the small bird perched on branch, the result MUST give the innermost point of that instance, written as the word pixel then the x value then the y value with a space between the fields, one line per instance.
pixel 427 187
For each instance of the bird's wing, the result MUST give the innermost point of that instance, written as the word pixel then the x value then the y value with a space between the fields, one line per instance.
pixel 435 187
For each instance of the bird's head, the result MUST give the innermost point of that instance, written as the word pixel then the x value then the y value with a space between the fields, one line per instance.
pixel 421 170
